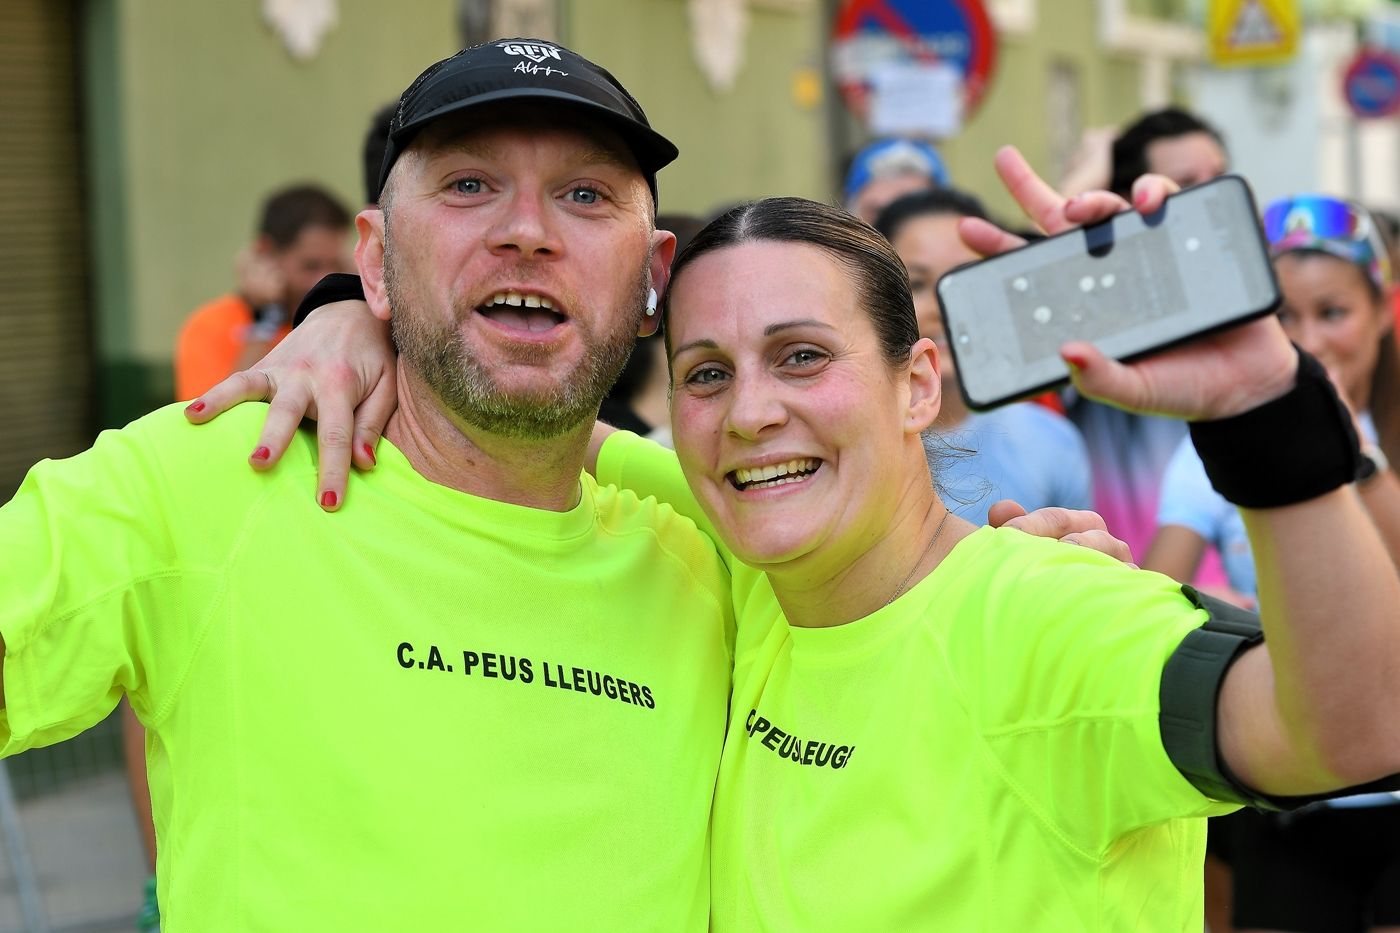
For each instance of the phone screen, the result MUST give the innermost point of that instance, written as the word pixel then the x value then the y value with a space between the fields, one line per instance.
pixel 1130 285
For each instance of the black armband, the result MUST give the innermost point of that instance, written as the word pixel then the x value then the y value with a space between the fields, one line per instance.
pixel 1189 700
pixel 338 286
pixel 1190 695
pixel 1295 448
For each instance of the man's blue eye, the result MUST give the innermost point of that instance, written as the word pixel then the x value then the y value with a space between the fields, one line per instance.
pixel 585 196
pixel 469 185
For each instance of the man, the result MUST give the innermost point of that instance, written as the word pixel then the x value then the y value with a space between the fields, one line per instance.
pixel 489 694
pixel 301 237
pixel 1170 142
pixel 888 169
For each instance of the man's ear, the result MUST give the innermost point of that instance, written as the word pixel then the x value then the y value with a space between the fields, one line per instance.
pixel 369 260
pixel 263 246
pixel 925 387
pixel 663 250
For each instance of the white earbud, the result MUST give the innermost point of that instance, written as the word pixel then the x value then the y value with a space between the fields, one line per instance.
pixel 651 302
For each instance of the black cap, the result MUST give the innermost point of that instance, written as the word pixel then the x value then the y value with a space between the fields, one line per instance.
pixel 525 69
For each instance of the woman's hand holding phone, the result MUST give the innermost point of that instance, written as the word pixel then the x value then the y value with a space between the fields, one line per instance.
pixel 1213 377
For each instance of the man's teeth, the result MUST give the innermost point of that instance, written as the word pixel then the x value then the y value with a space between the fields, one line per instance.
pixel 777 474
pixel 516 300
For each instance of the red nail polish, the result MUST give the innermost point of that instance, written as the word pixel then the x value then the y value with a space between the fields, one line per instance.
pixel 369 452
pixel 196 406
pixel 1139 199
pixel 1076 360
pixel 328 500
pixel 262 453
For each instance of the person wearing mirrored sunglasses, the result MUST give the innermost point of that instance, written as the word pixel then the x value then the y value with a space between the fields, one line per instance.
pixel 1334 866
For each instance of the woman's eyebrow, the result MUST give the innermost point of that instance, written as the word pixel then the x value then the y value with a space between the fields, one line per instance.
pixel 768 331
pixel 705 344
pixel 772 329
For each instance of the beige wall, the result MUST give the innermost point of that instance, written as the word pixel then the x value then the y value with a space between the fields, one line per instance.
pixel 760 138
pixel 214 113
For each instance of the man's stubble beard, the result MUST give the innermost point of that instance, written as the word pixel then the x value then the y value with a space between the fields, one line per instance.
pixel 438 354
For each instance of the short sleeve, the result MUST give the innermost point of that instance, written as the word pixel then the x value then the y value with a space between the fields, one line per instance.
pixel 1063 674
pixel 1187 498
pixel 648 469
pixel 90 563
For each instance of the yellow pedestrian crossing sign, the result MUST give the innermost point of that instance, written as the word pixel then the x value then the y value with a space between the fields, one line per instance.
pixel 1253 32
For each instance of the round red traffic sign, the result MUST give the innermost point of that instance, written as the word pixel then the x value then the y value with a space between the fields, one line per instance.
pixel 1371 84
pixel 871 33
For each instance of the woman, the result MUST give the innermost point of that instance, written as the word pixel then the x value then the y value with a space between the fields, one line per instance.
pixel 1334 866
pixel 940 727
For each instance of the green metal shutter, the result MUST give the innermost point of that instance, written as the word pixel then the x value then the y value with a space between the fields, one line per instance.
pixel 45 336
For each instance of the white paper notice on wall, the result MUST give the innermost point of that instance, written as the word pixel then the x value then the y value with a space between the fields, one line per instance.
pixel 916 98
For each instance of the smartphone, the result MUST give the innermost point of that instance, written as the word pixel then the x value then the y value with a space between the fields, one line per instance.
pixel 1132 285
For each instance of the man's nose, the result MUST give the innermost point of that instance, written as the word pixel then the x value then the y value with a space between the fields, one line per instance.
pixel 525 227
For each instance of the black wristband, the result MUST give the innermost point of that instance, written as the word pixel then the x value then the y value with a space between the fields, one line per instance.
pixel 1292 449
pixel 338 286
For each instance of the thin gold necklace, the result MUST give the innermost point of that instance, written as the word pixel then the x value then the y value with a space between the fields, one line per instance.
pixel 913 570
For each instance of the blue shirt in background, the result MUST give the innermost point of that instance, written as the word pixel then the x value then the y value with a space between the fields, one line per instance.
pixel 1024 452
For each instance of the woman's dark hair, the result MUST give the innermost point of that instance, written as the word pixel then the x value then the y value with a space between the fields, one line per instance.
pixel 936 202
pixel 1385 395
pixel 881 283
pixel 1130 148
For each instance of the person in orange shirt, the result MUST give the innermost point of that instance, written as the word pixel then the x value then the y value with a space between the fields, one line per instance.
pixel 301 237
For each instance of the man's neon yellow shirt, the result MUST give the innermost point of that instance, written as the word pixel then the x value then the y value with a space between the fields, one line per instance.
pixel 428 711
pixel 982 754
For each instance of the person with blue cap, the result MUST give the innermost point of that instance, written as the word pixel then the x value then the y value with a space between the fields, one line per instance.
pixel 888 169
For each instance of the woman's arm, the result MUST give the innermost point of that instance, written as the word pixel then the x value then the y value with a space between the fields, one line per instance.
pixel 1175 551
pixel 339 368
pixel 1314 709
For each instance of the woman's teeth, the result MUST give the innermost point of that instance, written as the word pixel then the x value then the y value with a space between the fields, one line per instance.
pixel 776 474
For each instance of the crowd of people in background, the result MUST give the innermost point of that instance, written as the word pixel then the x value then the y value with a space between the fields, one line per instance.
pixel 1329 866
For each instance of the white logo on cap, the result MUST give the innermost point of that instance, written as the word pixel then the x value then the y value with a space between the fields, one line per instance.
pixel 531 50
pixel 526 68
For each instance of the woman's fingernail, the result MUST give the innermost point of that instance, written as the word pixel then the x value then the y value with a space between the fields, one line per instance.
pixel 328 500
pixel 262 453
pixel 1076 360
pixel 1139 199
pixel 195 407
pixel 369 454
